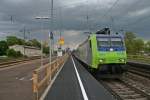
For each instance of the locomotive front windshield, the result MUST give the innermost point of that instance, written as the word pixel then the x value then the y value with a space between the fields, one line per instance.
pixel 105 43
pixel 117 42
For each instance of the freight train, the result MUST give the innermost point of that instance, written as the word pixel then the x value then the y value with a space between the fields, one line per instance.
pixel 104 53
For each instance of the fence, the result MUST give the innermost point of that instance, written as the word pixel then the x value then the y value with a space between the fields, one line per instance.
pixel 43 76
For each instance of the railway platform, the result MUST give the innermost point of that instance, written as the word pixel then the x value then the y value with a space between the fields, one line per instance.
pixel 75 83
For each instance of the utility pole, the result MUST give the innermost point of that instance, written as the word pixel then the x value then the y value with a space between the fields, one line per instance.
pixel 51 33
pixel 88 23
pixel 60 24
pixel 24 36
pixel 42 44
pixel 29 37
pixel 87 17
pixel 51 37
pixel 52 25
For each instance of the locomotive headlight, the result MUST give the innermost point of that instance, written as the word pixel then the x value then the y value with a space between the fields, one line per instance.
pixel 101 60
pixel 122 60
pixel 111 49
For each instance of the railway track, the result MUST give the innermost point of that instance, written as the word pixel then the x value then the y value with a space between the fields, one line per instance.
pixel 140 72
pixel 140 82
pixel 134 85
pixel 140 67
pixel 125 90
pixel 16 62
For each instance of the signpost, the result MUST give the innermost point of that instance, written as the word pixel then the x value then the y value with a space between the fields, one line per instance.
pixel 60 42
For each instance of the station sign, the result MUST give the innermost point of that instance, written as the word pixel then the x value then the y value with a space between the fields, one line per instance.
pixel 61 41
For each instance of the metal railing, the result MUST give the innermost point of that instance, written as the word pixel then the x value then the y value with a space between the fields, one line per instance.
pixel 43 76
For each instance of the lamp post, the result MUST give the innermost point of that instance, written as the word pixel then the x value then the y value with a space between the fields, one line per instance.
pixel 51 35
pixel 24 37
pixel 42 18
pixel 24 32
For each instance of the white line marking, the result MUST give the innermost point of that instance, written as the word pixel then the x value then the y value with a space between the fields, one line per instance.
pixel 31 79
pixel 80 82
pixel 21 78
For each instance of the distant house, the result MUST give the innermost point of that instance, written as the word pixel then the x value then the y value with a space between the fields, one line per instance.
pixel 27 50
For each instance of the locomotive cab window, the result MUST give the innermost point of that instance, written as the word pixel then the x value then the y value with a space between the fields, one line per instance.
pixel 116 42
pixel 103 42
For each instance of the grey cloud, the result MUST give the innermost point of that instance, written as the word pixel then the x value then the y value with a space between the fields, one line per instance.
pixel 73 15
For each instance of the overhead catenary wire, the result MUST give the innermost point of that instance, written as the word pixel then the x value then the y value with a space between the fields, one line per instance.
pixel 113 23
pixel 129 9
pixel 111 17
pixel 108 11
pixel 137 21
pixel 65 6
pixel 71 4
pixel 111 7
pixel 114 4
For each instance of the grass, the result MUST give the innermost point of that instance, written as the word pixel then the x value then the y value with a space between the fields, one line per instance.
pixel 139 58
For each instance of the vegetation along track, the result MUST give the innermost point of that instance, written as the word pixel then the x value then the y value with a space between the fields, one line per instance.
pixel 15 62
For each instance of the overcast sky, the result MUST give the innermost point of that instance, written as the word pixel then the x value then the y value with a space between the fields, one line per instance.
pixel 70 17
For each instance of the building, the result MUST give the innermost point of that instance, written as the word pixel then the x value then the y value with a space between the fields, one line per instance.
pixel 27 50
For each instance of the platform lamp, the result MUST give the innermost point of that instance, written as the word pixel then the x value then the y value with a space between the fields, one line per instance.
pixel 42 19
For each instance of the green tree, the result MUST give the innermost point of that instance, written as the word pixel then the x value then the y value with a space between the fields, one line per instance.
pixel 19 54
pixel 147 47
pixel 3 48
pixel 130 36
pixel 21 42
pixel 35 43
pixel 28 43
pixel 138 45
pixel 13 53
pixel 12 40
pixel 129 41
pixel 46 50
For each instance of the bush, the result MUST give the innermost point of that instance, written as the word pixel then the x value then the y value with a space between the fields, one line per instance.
pixel 13 53
pixel 19 54
pixel 3 48
pixel 46 50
